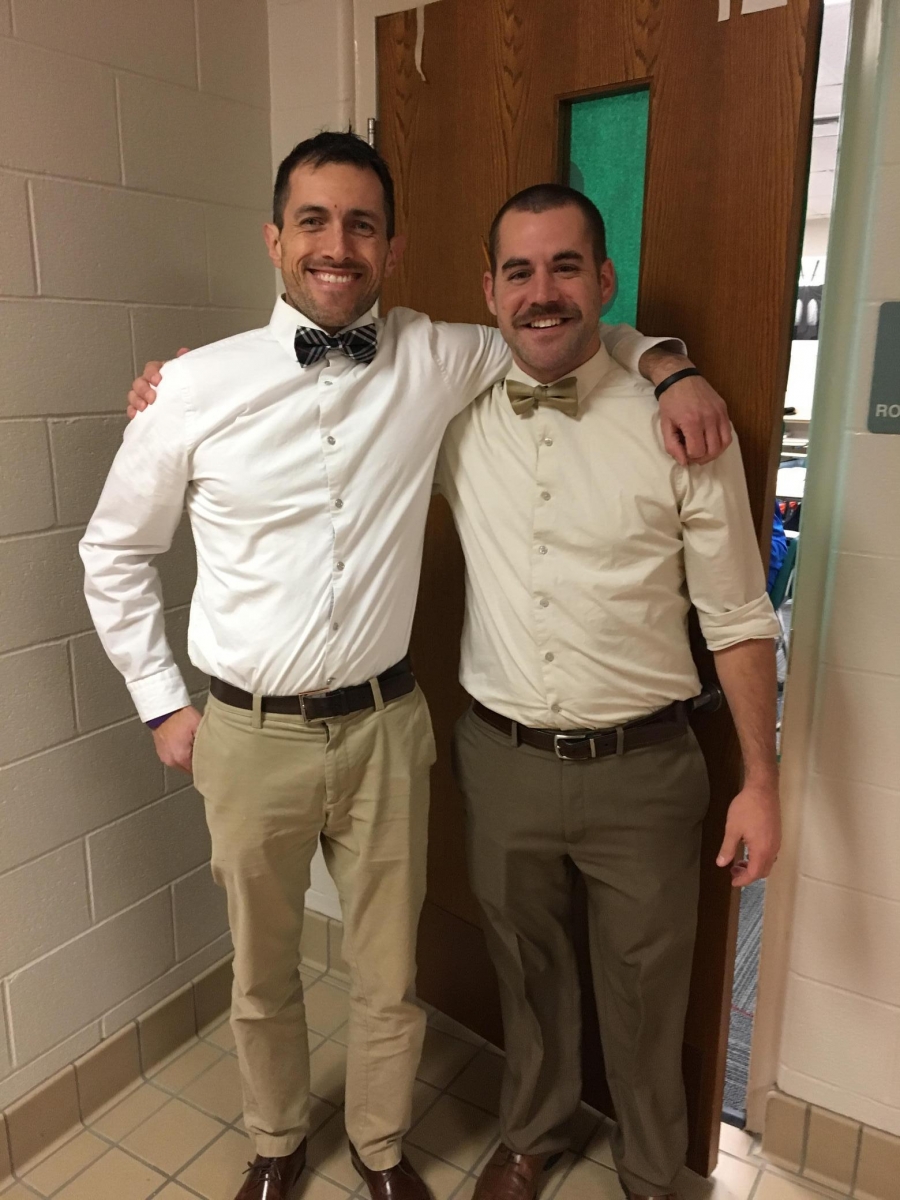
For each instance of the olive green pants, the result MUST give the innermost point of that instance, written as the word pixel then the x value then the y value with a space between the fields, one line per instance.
pixel 630 826
pixel 274 788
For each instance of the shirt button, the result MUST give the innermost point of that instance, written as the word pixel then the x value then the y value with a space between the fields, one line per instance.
pixel 339 566
pixel 328 382
pixel 549 656
pixel 335 627
pixel 330 440
pixel 545 495
pixel 338 504
pixel 548 441
pixel 330 679
pixel 545 603
pixel 542 549
pixel 554 708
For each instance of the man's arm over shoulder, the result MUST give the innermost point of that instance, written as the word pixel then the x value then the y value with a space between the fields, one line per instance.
pixel 471 358
pixel 135 519
pixel 694 417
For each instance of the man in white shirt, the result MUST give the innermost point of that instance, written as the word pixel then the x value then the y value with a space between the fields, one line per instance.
pixel 585 545
pixel 305 452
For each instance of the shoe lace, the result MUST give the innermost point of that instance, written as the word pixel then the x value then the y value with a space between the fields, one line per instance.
pixel 264 1168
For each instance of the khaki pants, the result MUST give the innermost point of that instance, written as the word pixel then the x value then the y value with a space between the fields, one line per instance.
pixel 274 785
pixel 630 826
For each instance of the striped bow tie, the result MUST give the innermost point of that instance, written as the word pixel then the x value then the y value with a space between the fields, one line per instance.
pixel 311 345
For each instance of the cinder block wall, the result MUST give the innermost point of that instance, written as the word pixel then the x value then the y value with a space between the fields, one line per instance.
pixel 135 169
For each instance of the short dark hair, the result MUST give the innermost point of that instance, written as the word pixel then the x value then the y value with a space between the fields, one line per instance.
pixel 543 197
pixel 333 147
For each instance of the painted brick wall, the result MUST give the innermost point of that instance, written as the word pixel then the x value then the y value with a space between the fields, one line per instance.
pixel 135 171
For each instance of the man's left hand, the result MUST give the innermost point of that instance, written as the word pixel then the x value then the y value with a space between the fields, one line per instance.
pixel 754 818
pixel 694 417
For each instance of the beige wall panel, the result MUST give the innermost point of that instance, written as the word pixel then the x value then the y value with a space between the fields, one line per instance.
pixel 44 904
pixel 60 357
pixel 55 797
pixel 240 273
pixel 5 1058
pixel 146 850
pixel 234 49
pixel 891 115
pixel 885 266
pixel 42 595
pixel 108 244
pixel 101 696
pixel 869 523
pixel 16 262
pixel 201 912
pixel 159 333
pixel 5 19
pixel 864 631
pixel 25 1079
pixel 155 39
pixel 854 837
pixel 848 1032
pixel 91 974
pixel 848 939
pixel 857 728
pixel 187 143
pixel 83 450
pixel 26 485
pixel 304 52
pixel 219 323
pixel 68 114
pixel 36 709
pixel 292 125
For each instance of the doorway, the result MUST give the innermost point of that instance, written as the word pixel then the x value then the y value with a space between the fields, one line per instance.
pixel 789 491
pixel 730 95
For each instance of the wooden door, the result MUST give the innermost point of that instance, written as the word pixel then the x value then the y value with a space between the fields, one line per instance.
pixel 728 152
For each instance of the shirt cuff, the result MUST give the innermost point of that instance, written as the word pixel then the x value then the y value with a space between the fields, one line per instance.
pixel 752 621
pixel 159 694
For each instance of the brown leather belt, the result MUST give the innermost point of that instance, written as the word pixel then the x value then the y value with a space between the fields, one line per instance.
pixel 583 745
pixel 393 683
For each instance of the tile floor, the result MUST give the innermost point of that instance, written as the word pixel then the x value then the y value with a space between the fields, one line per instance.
pixel 177 1133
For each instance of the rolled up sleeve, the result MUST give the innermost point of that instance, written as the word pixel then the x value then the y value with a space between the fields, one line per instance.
pixel 725 577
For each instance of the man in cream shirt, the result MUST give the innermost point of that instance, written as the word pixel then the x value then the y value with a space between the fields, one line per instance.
pixel 305 453
pixel 585 545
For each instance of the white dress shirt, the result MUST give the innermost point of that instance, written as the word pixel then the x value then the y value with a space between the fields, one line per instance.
pixel 307 491
pixel 585 544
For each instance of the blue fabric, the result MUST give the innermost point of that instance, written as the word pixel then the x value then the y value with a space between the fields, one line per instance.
pixel 779 549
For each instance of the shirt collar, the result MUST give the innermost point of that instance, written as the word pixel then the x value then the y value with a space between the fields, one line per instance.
pixel 287 319
pixel 589 374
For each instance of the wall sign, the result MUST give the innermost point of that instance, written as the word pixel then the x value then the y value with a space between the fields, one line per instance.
pixel 884 402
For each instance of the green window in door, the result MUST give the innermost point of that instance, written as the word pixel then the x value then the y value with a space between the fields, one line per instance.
pixel 607 160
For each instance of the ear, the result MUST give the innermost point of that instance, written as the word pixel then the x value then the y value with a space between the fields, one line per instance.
pixel 488 285
pixel 395 253
pixel 609 283
pixel 272 234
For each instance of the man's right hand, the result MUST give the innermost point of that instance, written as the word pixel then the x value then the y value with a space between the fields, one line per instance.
pixel 174 739
pixel 143 390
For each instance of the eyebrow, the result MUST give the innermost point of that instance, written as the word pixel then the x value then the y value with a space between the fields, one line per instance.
pixel 321 211
pixel 563 256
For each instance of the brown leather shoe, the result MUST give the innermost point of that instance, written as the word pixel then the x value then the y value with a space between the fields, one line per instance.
pixel 402 1182
pixel 273 1178
pixel 511 1176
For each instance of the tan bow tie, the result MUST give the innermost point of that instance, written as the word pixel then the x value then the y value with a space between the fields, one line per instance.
pixel 525 398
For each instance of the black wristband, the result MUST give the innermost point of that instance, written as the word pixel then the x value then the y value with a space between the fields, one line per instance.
pixel 667 383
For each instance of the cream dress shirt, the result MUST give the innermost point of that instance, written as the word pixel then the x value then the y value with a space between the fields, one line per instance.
pixel 307 491
pixel 585 544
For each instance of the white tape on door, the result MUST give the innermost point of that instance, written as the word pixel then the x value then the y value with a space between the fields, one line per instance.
pixel 751 6
pixel 724 10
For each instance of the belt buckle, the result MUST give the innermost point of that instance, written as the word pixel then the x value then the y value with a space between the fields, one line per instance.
pixel 303 697
pixel 560 738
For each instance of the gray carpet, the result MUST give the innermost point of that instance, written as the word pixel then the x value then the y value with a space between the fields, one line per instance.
pixel 743 1003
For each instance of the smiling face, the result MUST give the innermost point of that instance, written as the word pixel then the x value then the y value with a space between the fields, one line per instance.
pixel 333 250
pixel 548 290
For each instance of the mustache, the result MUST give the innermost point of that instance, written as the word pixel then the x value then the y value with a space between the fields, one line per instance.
pixel 348 264
pixel 536 311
